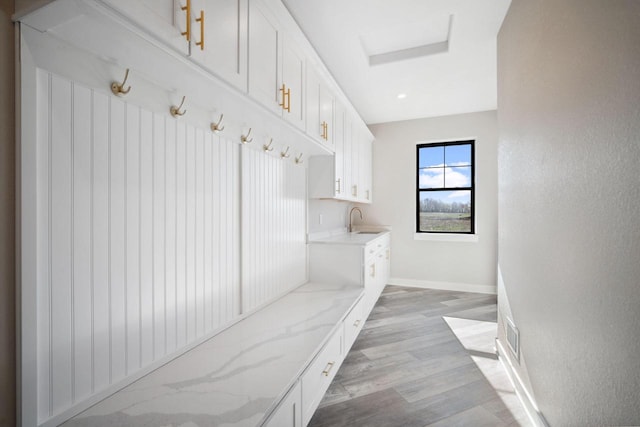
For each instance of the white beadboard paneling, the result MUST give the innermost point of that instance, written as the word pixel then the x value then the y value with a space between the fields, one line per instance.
pixel 171 231
pixel 117 240
pixel 199 230
pixel 273 224
pixel 206 232
pixel 141 237
pixel 158 220
pixel 82 242
pixel 146 237
pixel 132 250
pixel 181 236
pixel 100 239
pixel 61 284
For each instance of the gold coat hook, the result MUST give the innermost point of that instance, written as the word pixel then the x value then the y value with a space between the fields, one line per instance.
pixel 118 88
pixel 285 154
pixel 175 111
pixel 245 138
pixel 268 147
pixel 299 159
pixel 217 127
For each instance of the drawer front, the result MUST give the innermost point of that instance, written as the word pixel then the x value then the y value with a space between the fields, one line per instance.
pixel 289 411
pixel 319 374
pixel 353 324
pixel 376 246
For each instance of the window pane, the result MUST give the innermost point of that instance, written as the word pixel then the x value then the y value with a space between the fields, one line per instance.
pixel 431 178
pixel 458 177
pixel 457 155
pixel 430 157
pixel 445 211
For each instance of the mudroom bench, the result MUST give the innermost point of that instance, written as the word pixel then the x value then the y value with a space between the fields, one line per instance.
pixel 269 369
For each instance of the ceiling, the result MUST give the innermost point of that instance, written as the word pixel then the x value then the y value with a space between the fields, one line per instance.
pixel 440 53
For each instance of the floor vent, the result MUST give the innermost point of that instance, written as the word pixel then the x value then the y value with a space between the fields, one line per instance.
pixel 513 339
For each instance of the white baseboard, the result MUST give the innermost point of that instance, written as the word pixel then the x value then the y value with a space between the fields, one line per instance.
pixel 523 394
pixel 446 286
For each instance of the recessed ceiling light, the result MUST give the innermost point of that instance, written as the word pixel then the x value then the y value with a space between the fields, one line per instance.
pixel 402 95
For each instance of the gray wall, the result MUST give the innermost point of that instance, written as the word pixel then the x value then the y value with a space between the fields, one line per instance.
pixel 569 185
pixel 7 219
pixel 463 265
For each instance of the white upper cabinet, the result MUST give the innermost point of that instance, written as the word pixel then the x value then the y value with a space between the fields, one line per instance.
pixel 326 113
pixel 276 66
pixel 356 158
pixel 165 19
pixel 338 138
pixel 292 84
pixel 320 106
pixel 264 52
pixel 219 38
pixel 365 168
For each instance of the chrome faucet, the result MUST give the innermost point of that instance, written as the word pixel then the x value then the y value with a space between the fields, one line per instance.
pixel 350 229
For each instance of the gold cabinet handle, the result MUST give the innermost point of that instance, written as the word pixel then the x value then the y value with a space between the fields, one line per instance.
pixel 338 182
pixel 289 100
pixel 325 131
pixel 354 190
pixel 187 9
pixel 282 92
pixel 356 323
pixel 328 369
pixel 201 21
pixel 373 270
pixel 286 98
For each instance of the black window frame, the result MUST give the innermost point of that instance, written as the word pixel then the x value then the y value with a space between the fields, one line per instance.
pixel 471 188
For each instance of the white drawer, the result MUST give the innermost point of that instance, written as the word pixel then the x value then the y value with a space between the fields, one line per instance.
pixel 353 324
pixel 376 246
pixel 318 376
pixel 288 413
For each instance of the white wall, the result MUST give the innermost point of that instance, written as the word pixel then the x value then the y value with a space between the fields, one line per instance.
pixel 569 150
pixel 334 215
pixel 456 265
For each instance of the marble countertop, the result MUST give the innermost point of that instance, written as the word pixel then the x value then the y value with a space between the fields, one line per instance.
pixel 237 377
pixel 355 238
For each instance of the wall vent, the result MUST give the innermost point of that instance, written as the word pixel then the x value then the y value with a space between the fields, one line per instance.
pixel 513 339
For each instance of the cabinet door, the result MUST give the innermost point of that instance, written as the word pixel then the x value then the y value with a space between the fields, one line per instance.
pixel 365 170
pixel 353 324
pixel 338 138
pixel 317 378
pixel 347 140
pixel 292 86
pixel 314 126
pixel 224 33
pixel 164 19
pixel 264 61
pixel 326 114
pixel 356 157
pixel 289 411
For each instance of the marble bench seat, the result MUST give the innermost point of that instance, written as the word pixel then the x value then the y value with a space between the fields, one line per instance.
pixel 237 377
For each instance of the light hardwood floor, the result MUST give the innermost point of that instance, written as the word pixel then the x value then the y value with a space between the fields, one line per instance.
pixel 424 358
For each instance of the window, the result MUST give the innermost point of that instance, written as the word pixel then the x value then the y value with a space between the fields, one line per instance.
pixel 444 188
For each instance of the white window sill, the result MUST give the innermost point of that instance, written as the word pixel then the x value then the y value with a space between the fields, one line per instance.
pixel 443 237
